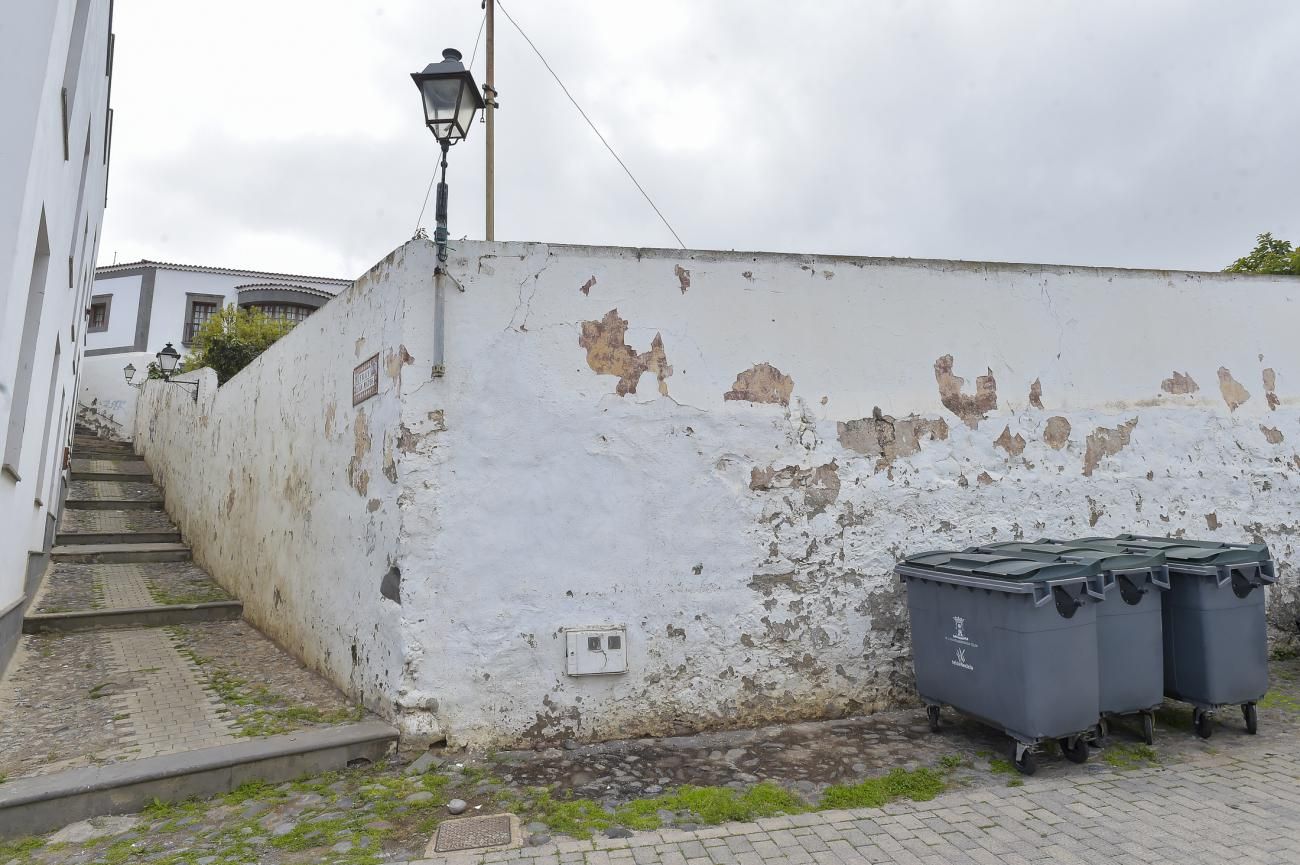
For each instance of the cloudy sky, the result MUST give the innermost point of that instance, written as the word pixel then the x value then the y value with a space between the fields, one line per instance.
pixel 286 134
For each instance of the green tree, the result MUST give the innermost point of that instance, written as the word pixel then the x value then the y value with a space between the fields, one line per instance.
pixel 232 339
pixel 1268 256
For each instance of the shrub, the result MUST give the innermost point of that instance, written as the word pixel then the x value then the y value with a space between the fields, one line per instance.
pixel 232 339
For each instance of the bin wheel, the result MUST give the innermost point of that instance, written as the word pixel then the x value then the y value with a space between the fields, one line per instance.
pixel 1203 722
pixel 1027 763
pixel 1252 718
pixel 1075 749
pixel 1148 728
pixel 932 713
pixel 1103 728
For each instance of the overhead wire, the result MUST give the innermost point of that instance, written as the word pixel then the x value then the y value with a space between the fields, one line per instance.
pixel 603 141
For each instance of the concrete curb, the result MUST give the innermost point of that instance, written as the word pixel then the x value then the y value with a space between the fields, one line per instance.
pixel 71 539
pixel 30 806
pixel 111 553
pixel 133 617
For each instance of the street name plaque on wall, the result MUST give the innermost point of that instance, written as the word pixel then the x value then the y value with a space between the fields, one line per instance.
pixel 365 380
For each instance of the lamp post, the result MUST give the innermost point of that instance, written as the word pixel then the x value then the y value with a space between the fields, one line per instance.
pixel 129 372
pixel 168 359
pixel 450 98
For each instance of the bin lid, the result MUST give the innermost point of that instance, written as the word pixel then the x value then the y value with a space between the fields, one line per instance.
pixel 1178 551
pixel 1115 559
pixel 1000 566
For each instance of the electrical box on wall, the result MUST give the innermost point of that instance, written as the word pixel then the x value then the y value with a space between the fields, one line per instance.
pixel 596 651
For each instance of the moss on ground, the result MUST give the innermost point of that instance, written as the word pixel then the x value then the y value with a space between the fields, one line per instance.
pixel 1130 756
pixel 193 593
pixel 919 785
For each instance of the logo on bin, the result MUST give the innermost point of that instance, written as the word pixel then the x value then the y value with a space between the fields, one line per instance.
pixel 959 633
pixel 960 660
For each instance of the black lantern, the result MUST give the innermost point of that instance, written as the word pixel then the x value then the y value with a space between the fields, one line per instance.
pixel 129 371
pixel 168 358
pixel 450 97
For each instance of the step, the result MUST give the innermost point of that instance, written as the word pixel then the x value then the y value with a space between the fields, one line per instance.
pixel 30 806
pixel 114 495
pixel 93 454
pixel 140 617
pixel 116 538
pixel 110 470
pixel 108 553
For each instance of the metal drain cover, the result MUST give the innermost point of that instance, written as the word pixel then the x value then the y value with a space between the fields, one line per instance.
pixel 476 833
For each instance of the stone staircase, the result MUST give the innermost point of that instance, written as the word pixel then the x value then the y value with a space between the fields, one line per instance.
pixel 136 677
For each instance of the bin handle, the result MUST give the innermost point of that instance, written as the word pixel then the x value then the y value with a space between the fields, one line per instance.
pixel 1097 586
pixel 1042 594
pixel 1223 575
pixel 1160 577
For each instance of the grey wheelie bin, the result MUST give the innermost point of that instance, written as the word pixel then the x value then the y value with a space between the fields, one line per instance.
pixel 1130 662
pixel 1009 641
pixel 1215 634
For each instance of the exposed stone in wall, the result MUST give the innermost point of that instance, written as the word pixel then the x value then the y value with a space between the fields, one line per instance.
pixel 1103 442
pixel 886 438
pixel 1233 393
pixel 586 287
pixel 762 382
pixel 971 409
pixel 1036 394
pixel 609 354
pixel 820 485
pixel 358 477
pixel 1013 445
pixel 984 479
pixel 1179 383
pixel 1057 432
pixel 331 408
pixel 1270 388
pixel 1212 521
pixel 683 277
pixel 395 360
pixel 1273 434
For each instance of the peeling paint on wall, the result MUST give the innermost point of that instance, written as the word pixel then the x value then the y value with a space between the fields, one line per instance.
pixel 395 360
pixel 609 354
pixel 1233 393
pixel 1036 394
pixel 1013 445
pixel 762 383
pixel 586 287
pixel 683 277
pixel 886 438
pixel 970 408
pixel 1057 432
pixel 1179 383
pixel 984 479
pixel 359 477
pixel 331 408
pixel 820 485
pixel 1105 442
pixel 1212 521
pixel 1270 388
pixel 1273 434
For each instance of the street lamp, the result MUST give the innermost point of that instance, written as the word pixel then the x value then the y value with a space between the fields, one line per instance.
pixel 168 359
pixel 450 98
pixel 129 371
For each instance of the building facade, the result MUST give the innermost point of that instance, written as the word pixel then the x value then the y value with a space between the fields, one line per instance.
pixel 56 65
pixel 137 308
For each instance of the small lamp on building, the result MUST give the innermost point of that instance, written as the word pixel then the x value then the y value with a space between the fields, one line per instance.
pixel 450 98
pixel 168 359
pixel 129 372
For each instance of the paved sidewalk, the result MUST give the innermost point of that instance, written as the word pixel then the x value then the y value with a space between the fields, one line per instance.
pixel 1242 809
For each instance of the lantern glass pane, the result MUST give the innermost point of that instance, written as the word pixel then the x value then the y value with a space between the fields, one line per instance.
pixel 440 98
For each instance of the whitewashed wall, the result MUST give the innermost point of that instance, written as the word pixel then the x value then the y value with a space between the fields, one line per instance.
pixel 718 478
pixel 287 492
pixel 54 175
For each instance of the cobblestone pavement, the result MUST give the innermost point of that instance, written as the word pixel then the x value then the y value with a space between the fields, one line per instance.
pixel 1231 798
pixel 70 586
pixel 1211 809
pixel 83 521
pixel 117 491
pixel 118 467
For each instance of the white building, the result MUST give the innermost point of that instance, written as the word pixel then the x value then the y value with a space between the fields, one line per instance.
pixel 56 63
pixel 137 308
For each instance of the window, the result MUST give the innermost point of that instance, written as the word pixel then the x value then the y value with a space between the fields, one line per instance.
pixel 290 312
pixel 199 308
pixel 99 307
pixel 27 351
pixel 72 66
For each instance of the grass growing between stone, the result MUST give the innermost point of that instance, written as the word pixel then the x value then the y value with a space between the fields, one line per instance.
pixel 919 785
pixel 266 712
pixel 194 593
pixel 1126 755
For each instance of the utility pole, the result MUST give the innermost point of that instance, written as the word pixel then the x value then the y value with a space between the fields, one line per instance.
pixel 490 104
